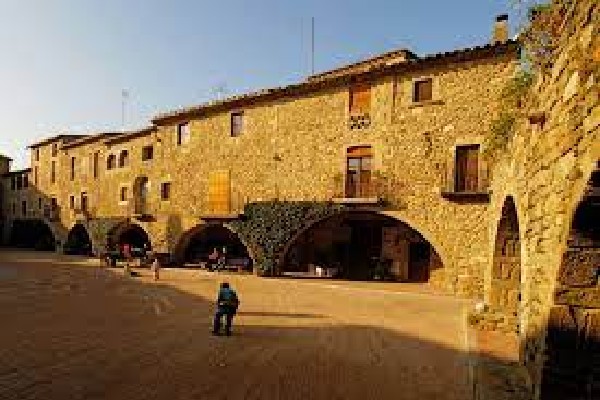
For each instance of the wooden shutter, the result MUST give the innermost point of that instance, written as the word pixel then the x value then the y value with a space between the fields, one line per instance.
pixel 423 90
pixel 360 98
pixel 219 192
pixel 467 168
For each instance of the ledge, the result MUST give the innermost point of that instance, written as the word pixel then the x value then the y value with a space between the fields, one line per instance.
pixel 470 197
pixel 221 217
pixel 426 103
pixel 357 200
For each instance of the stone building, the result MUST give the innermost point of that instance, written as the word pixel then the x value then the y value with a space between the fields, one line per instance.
pixel 387 149
pixel 373 168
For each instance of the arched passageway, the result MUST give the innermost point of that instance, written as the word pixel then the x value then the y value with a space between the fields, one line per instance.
pixel 505 293
pixel 361 245
pixel 131 234
pixel 78 241
pixel 572 360
pixel 32 234
pixel 196 245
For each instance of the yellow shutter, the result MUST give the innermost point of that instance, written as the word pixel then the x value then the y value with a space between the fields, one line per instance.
pixel 219 192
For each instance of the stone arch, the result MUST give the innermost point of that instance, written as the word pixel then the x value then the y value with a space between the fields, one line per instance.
pixel 505 289
pixel 195 244
pixel 78 241
pixel 32 234
pixel 572 343
pixel 356 243
pixel 129 233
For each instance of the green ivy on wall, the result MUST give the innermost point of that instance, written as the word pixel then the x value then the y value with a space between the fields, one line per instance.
pixel 267 227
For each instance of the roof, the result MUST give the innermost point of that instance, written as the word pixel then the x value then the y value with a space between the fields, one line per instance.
pixel 2 156
pixel 55 138
pixel 17 172
pixel 388 58
pixel 89 139
pixel 326 80
pixel 124 136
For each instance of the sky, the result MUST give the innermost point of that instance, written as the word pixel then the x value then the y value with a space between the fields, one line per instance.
pixel 65 63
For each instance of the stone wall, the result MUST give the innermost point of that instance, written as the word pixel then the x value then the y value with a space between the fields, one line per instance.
pixel 306 136
pixel 546 168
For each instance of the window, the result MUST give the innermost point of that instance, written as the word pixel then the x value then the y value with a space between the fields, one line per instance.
pixel 14 208
pixel 54 149
pixel 360 98
pixel 35 175
pixel 183 133
pixel 53 203
pixel 53 172
pixel 24 208
pixel 40 203
pixel 123 158
pixel 237 123
pixel 123 194
pixel 358 171
pixel 19 182
pixel 72 168
pixel 423 90
pixel 84 201
pixel 147 153
pixel 37 154
pixel 72 202
pixel 165 191
pixel 95 161
pixel 111 161
pixel 13 182
pixel 467 168
pixel 25 181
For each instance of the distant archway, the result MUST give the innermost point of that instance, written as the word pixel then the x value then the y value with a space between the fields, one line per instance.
pixel 198 243
pixel 131 234
pixel 78 241
pixel 361 245
pixel 32 234
pixel 505 293
pixel 571 368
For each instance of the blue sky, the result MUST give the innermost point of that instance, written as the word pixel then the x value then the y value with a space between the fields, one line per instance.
pixel 64 63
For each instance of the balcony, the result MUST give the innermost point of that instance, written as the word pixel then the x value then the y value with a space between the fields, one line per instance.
pixel 466 190
pixel 373 189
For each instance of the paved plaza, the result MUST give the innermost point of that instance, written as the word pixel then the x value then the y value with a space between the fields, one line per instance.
pixel 73 330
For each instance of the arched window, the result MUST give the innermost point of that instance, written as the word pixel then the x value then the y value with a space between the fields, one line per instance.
pixel 111 161
pixel 123 158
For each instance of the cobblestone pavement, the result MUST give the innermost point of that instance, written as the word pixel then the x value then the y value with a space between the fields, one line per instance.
pixel 72 330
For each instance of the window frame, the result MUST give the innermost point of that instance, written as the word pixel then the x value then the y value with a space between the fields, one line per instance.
pixel 72 168
pixel 236 123
pixel 123 161
pixel 184 133
pixel 167 186
pixel 465 177
pixel 111 162
pixel 360 90
pixel 415 92
pixel 148 156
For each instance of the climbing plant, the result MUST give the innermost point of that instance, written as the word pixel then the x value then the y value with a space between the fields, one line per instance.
pixel 268 226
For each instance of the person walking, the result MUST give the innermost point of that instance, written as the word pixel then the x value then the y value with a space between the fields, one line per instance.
pixel 127 256
pixel 156 268
pixel 227 305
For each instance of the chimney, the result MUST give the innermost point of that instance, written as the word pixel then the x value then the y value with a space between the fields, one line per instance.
pixel 500 34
